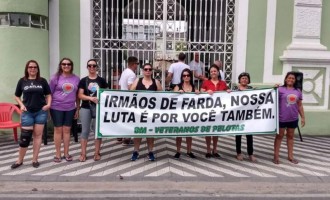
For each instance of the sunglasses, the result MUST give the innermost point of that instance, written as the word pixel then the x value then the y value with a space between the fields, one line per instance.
pixel 147 69
pixel 32 67
pixel 92 65
pixel 66 64
pixel 185 75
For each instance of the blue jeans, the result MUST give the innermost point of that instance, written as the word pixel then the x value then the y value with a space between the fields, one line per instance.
pixel 30 119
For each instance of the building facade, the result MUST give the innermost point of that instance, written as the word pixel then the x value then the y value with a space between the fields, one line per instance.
pixel 266 38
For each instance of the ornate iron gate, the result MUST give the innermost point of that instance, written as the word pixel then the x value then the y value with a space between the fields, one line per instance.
pixel 156 31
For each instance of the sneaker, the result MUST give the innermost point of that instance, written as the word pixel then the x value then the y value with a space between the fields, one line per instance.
pixel 151 156
pixel 135 156
pixel 177 155
pixel 191 155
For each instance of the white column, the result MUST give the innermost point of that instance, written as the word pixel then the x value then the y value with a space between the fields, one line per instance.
pixel 54 36
pixel 307 25
pixel 86 35
pixel 307 55
pixel 241 26
pixel 268 76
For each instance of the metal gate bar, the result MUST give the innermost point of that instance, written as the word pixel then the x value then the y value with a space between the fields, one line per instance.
pixel 155 31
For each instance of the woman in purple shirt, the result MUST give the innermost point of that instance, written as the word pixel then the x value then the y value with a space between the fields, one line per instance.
pixel 290 106
pixel 65 106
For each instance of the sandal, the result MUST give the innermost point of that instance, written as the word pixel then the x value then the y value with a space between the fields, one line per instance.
pixel 294 161
pixel 97 157
pixel 252 158
pixel 216 155
pixel 239 157
pixel 35 164
pixel 208 155
pixel 57 160
pixel 82 158
pixel 68 158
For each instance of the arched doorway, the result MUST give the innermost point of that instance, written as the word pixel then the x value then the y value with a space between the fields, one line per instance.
pixel 156 31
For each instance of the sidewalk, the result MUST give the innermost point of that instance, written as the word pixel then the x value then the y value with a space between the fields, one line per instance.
pixel 115 173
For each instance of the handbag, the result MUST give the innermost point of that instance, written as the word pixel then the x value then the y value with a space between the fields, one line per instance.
pixel 92 106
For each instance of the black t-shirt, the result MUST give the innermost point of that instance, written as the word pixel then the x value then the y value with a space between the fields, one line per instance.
pixel 152 87
pixel 90 88
pixel 180 85
pixel 34 92
pixel 235 88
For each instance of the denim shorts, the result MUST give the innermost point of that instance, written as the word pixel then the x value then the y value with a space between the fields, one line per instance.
pixel 293 124
pixel 62 118
pixel 32 118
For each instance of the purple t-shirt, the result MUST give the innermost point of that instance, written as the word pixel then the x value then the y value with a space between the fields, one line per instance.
pixel 288 104
pixel 64 92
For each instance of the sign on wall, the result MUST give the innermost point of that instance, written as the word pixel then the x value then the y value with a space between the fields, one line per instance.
pixel 168 114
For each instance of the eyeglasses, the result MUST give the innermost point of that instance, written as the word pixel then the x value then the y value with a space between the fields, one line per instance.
pixel 185 75
pixel 66 64
pixel 91 65
pixel 32 67
pixel 147 69
pixel 245 74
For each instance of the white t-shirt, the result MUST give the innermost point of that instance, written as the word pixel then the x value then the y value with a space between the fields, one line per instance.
pixel 222 74
pixel 176 69
pixel 198 67
pixel 126 78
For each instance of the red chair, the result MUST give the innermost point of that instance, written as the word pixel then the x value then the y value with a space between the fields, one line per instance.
pixel 6 117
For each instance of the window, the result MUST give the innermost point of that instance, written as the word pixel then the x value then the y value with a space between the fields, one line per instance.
pixel 4 19
pixel 36 21
pixel 19 19
pixel 24 20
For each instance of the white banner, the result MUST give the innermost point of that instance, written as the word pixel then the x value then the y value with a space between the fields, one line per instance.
pixel 165 114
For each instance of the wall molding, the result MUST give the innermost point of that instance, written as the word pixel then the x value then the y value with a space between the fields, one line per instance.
pixel 54 36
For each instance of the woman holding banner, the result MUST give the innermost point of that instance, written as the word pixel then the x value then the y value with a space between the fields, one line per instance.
pixel 244 80
pixel 150 84
pixel 186 85
pixel 210 86
pixel 88 94
pixel 290 107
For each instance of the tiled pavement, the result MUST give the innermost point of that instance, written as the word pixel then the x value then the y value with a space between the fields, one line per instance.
pixel 312 154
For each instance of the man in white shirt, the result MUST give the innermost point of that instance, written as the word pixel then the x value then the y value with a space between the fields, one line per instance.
pixel 128 76
pixel 174 72
pixel 197 67
pixel 125 82
pixel 219 64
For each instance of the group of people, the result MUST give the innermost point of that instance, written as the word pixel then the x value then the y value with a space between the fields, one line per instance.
pixel 67 97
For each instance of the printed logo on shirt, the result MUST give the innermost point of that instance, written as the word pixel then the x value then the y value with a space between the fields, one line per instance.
pixel 291 99
pixel 32 86
pixel 67 88
pixel 92 87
